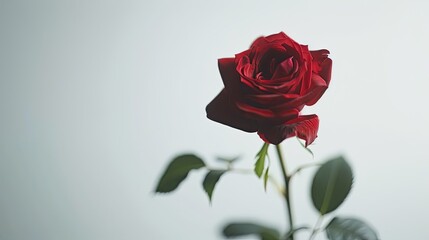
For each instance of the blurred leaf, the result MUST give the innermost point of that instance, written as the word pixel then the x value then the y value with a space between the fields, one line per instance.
pixel 177 171
pixel 331 185
pixel 228 160
pixel 266 175
pixel 289 234
pixel 242 229
pixel 210 181
pixel 349 228
pixel 260 163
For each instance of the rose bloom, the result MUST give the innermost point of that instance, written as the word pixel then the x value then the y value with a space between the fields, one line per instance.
pixel 268 85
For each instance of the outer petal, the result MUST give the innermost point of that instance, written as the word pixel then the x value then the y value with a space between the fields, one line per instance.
pixel 318 88
pixel 322 65
pixel 267 116
pixel 325 72
pixel 259 41
pixel 277 37
pixel 223 110
pixel 229 74
pixel 304 127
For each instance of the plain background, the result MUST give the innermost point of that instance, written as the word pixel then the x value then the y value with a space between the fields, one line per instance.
pixel 97 96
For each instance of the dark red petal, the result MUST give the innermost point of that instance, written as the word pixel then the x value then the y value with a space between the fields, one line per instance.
pixel 259 41
pixel 266 115
pixel 223 110
pixel 270 100
pixel 285 39
pixel 318 88
pixel 280 37
pixel 325 72
pixel 284 69
pixel 277 36
pixel 261 112
pixel 318 57
pixel 229 74
pixel 304 127
pixel 322 65
pixel 245 67
pixel 248 52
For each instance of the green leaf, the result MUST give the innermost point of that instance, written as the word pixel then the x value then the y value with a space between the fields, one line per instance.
pixel 331 185
pixel 266 175
pixel 260 163
pixel 210 181
pixel 242 229
pixel 177 171
pixel 349 228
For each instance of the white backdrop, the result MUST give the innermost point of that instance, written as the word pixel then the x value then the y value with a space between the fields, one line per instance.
pixel 98 96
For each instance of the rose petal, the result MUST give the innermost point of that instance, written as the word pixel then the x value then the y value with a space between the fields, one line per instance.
pixel 318 57
pixel 223 110
pixel 322 65
pixel 284 68
pixel 280 37
pixel 228 72
pixel 325 72
pixel 284 39
pixel 318 87
pixel 277 36
pixel 259 41
pixel 270 100
pixel 304 127
pixel 317 91
pixel 266 115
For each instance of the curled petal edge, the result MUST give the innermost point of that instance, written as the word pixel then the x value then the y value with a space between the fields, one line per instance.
pixel 304 127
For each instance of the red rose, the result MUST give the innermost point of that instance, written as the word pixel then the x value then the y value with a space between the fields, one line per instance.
pixel 268 85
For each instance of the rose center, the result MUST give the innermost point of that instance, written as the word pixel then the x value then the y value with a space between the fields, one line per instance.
pixel 276 68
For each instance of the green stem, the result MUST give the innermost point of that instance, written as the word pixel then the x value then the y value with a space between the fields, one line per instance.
pixel 287 192
pixel 316 227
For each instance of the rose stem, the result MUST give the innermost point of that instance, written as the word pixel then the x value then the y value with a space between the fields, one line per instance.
pixel 286 195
